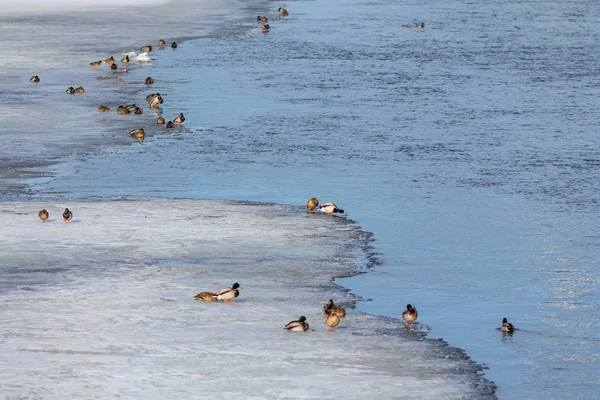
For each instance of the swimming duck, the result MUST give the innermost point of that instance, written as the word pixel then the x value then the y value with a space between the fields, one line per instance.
pixel 406 25
pixel 160 120
pixel 329 307
pixel 114 66
pixel 312 204
pixel 149 81
pixel 131 107
pixel 283 11
pixel 507 327
pixel 122 110
pixel 174 45
pixel 179 119
pixel 228 294
pixel 67 215
pixel 43 215
pixel 95 64
pixel 332 321
pixel 80 89
pixel 156 100
pixel 161 42
pixel 206 296
pixel 340 311
pixel 410 315
pixel 125 59
pixel 146 48
pixel 34 78
pixel 262 19
pixel 109 60
pixel 137 133
pixel 138 111
pixel 170 125
pixel 103 109
pixel 420 25
pixel 298 326
pixel 265 27
pixel 70 90
pixel 330 208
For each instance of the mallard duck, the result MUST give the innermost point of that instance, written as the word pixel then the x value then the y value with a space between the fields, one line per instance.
pixel 228 294
pixel 161 42
pixel 312 204
pixel 103 109
pixel 95 64
pixel 329 307
pixel 262 19
pixel 114 66
pixel 131 107
pixel 410 315
pixel 43 215
pixel 70 90
pixel 80 89
pixel 406 25
pixel 265 27
pixel 67 215
pixel 109 60
pixel 34 78
pixel 170 125
pixel 179 119
pixel 330 208
pixel 206 296
pixel 420 25
pixel 146 48
pixel 298 326
pixel 122 110
pixel 340 311
pixel 156 100
pixel 507 327
pixel 125 60
pixel 283 11
pixel 137 133
pixel 332 321
pixel 174 45
pixel 138 111
pixel 149 81
pixel 160 120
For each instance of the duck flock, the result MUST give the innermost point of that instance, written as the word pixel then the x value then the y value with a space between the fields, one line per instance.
pixel 333 313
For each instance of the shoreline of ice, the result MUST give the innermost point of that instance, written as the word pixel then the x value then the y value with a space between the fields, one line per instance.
pixel 109 298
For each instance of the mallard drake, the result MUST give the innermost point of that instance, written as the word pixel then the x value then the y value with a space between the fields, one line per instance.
pixel 174 45
pixel 340 311
pixel 146 48
pixel 95 64
pixel 265 27
pixel 125 60
pixel 131 107
pixel 137 133
pixel 138 111
pixel 283 11
pixel 156 100
pixel 410 315
pixel 312 204
pixel 170 125
pixel 67 215
pixel 179 119
pixel 332 321
pixel 298 326
pixel 70 90
pixel 160 120
pixel 329 307
pixel 507 327
pixel 420 25
pixel 34 78
pixel 330 208
pixel 262 19
pixel 149 81
pixel 161 42
pixel 80 89
pixel 228 294
pixel 122 110
pixel 206 296
pixel 114 66
pixel 103 109
pixel 406 25
pixel 43 215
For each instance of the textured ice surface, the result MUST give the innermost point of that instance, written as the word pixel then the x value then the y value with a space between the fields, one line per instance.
pixel 103 307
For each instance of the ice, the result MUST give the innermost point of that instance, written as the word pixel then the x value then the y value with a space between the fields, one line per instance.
pixel 141 57
pixel 103 307
pixel 38 6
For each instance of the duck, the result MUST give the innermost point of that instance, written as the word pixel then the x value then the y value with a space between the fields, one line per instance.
pixel 170 125
pixel 151 96
pixel 507 327
pixel 420 25
pixel 299 325
pixel 174 45
pixel 265 27
pixel 160 120
pixel 103 109
pixel 206 296
pixel 34 78
pixel 122 110
pixel 329 307
pixel 228 294
pixel 332 321
pixel 340 311
pixel 67 215
pixel 137 133
pixel 125 60
pixel 406 25
pixel 149 81
pixel 283 11
pixel 410 315
pixel 43 215
pixel 312 204
pixel 70 90
pixel 80 89
pixel 146 48
pixel 156 100
pixel 138 111
pixel 114 66
pixel 95 64
pixel 179 119
pixel 131 107
pixel 161 42
pixel 109 60
pixel 330 208
pixel 262 19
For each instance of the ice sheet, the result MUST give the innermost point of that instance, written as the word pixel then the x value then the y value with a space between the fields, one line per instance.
pixel 103 307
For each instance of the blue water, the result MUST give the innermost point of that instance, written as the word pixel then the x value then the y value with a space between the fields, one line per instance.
pixel 469 149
